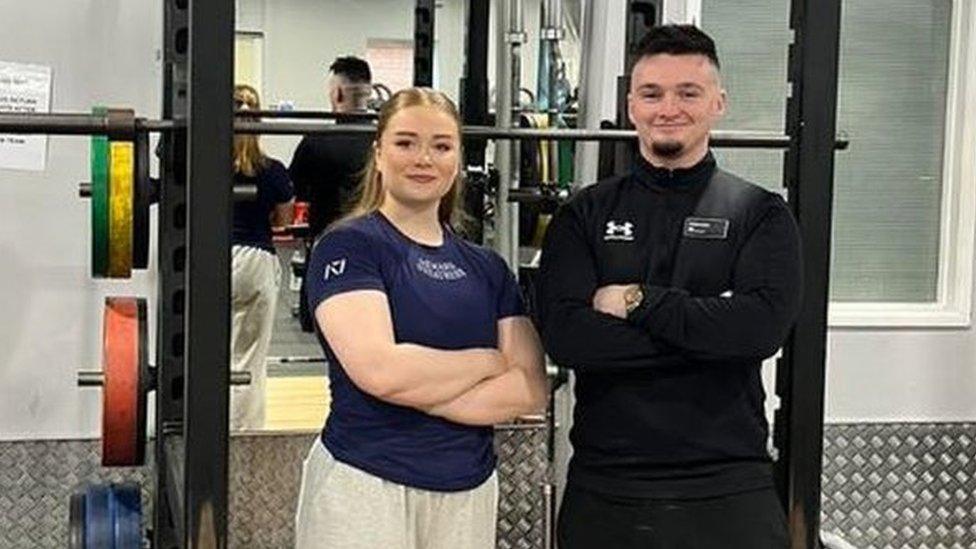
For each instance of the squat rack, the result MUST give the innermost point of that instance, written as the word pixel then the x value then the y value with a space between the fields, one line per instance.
pixel 191 452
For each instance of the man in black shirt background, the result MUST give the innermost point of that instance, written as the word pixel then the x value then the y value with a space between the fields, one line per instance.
pixel 664 288
pixel 325 169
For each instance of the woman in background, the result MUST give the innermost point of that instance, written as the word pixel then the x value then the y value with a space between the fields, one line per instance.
pixel 255 271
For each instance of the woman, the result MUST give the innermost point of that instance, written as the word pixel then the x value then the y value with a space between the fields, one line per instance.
pixel 429 347
pixel 255 271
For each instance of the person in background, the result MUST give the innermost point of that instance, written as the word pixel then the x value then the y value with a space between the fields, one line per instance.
pixel 255 270
pixel 326 168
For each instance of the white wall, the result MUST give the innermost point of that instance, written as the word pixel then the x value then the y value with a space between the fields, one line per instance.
pixel 101 52
pixel 901 375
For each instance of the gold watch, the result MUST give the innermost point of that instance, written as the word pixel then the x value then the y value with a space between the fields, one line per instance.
pixel 633 297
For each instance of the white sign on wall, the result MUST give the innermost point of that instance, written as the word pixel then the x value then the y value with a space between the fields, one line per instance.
pixel 24 88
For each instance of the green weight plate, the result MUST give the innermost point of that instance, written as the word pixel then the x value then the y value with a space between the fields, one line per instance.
pixel 567 155
pixel 99 201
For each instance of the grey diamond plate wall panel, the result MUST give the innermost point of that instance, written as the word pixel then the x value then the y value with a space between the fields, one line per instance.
pixel 900 486
pixel 36 480
pixel 265 473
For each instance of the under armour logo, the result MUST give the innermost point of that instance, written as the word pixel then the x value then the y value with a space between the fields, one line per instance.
pixel 335 268
pixel 619 231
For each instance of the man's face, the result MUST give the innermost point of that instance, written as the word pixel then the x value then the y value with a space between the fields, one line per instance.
pixel 674 102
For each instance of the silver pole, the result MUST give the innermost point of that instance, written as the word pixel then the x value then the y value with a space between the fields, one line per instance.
pixel 502 241
pixel 552 32
pixel 580 173
pixel 516 37
pixel 549 516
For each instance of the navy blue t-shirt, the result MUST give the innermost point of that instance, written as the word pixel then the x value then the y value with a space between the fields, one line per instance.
pixel 252 223
pixel 447 297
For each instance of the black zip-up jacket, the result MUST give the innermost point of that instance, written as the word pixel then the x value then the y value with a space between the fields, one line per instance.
pixel 669 402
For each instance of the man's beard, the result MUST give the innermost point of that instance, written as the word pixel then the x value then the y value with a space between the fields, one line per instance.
pixel 667 149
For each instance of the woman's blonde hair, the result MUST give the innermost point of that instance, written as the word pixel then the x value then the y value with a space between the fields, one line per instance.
pixel 248 156
pixel 370 196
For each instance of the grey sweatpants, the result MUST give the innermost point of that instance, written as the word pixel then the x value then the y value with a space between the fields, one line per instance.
pixel 341 507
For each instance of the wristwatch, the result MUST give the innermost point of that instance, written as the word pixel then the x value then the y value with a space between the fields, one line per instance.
pixel 633 297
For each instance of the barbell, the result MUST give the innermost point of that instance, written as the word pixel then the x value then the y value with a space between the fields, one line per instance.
pixel 97 124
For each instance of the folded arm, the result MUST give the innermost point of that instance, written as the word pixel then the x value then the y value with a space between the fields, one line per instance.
pixel 359 329
pixel 520 390
pixel 754 319
pixel 575 334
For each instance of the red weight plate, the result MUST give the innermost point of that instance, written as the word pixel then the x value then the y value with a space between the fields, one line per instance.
pixel 123 398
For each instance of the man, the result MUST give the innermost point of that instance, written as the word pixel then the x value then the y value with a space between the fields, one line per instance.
pixel 664 289
pixel 325 169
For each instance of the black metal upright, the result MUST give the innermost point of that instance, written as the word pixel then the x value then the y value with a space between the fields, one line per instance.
pixel 808 174
pixel 423 43
pixel 171 249
pixel 474 112
pixel 209 214
pixel 474 84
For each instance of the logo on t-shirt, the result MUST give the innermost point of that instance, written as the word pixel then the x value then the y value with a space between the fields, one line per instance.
pixel 440 271
pixel 619 231
pixel 335 268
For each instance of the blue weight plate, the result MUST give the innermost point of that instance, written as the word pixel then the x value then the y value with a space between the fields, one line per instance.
pixel 76 524
pixel 98 517
pixel 127 516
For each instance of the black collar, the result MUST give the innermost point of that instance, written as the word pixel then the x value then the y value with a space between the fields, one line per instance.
pixel 681 178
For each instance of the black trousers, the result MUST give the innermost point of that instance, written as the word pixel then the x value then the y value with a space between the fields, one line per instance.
pixel 748 520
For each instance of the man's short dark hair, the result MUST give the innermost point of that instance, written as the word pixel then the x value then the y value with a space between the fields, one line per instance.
pixel 676 40
pixel 353 69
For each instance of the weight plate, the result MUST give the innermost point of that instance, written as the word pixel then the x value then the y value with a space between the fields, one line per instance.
pixel 76 521
pixel 127 516
pixel 121 172
pixel 142 197
pixel 146 382
pixel 98 517
pixel 123 396
pixel 99 158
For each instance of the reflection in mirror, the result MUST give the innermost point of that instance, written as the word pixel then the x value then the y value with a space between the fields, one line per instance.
pixel 284 50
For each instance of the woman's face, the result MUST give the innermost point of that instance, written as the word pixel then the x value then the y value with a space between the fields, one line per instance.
pixel 244 100
pixel 418 156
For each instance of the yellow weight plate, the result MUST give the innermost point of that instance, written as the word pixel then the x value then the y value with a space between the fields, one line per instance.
pixel 120 208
